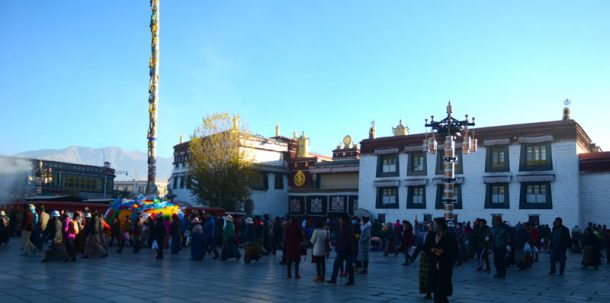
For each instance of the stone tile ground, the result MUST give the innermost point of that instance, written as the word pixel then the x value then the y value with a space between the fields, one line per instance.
pixel 141 278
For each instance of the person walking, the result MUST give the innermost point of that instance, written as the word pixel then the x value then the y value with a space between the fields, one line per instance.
pixel 71 230
pixel 229 247
pixel 160 234
pixel 442 250
pixel 364 245
pixel 482 244
pixel 320 239
pixel 344 249
pixel 53 238
pixel 125 234
pixel 197 252
pixel 27 226
pixel 592 246
pixel 209 243
pixel 559 243
pixel 293 238
pixel 115 232
pixel 94 232
pixel 500 240
pixel 175 232
pixel 424 262
pixel 5 228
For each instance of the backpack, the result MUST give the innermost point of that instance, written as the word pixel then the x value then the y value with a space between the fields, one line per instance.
pixel 73 228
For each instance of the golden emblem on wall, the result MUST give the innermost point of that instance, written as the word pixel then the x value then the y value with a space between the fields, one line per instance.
pixel 299 178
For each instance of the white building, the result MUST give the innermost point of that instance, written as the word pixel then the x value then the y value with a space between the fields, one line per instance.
pixel 269 155
pixel 521 172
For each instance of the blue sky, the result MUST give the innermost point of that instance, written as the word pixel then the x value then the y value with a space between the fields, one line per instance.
pixel 75 72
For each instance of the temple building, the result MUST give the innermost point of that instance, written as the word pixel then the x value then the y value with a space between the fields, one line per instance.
pixel 325 187
pixel 523 172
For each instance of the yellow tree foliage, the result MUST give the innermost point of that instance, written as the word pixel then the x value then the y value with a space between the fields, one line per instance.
pixel 220 169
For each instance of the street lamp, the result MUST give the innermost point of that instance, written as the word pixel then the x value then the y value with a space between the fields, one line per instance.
pixel 43 176
pixel 449 128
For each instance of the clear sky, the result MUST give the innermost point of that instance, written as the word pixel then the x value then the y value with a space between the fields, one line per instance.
pixel 76 72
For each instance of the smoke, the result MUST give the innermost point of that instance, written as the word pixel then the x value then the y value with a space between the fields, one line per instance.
pixel 14 174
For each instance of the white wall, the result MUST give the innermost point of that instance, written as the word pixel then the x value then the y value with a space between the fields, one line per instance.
pixel 564 190
pixel 271 201
pixel 595 198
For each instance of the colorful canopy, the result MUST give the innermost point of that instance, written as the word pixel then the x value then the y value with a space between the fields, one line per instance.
pixel 143 207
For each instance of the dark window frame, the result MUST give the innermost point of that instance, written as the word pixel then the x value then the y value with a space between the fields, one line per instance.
pixel 278 181
pixel 265 185
pixel 410 169
pixel 380 203
pixel 410 193
pixel 548 165
pixel 488 196
pixel 489 159
pixel 380 172
pixel 459 167
pixel 523 204
pixel 439 197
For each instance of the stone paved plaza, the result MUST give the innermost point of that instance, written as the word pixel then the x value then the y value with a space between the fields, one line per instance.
pixel 141 278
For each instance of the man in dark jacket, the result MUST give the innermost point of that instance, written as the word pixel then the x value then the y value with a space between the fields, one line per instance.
pixel 160 233
pixel 560 242
pixel 500 240
pixel 345 251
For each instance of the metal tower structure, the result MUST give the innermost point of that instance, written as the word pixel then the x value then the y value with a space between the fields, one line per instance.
pixel 153 89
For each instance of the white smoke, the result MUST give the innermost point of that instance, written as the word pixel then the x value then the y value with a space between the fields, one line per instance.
pixel 14 173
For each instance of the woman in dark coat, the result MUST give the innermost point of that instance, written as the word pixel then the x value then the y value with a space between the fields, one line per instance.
pixel 293 239
pixel 592 247
pixel 442 250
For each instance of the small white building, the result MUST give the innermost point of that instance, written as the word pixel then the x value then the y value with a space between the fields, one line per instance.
pixel 523 172
pixel 269 193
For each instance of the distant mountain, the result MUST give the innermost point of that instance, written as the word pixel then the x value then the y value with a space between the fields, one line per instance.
pixel 134 162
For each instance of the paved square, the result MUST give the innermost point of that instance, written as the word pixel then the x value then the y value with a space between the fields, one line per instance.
pixel 141 278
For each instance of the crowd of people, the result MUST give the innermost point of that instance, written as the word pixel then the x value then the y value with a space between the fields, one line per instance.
pixel 61 235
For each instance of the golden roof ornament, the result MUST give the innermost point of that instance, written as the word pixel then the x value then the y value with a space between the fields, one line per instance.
pixel 400 129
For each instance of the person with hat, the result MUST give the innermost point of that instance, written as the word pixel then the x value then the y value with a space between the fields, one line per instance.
pixel 441 249
pixel 229 248
pixel 27 226
pixel 196 240
pixel 53 238
pixel 5 228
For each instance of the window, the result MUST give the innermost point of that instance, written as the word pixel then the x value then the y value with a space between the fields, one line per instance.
pixel 458 162
pixel 279 181
pixel 387 197
pixel 457 196
pixel 536 195
pixel 536 157
pixel 497 196
pixel 175 182
pixel 497 159
pixel 259 181
pixel 181 182
pixel 417 164
pixel 416 197
pixel 387 165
